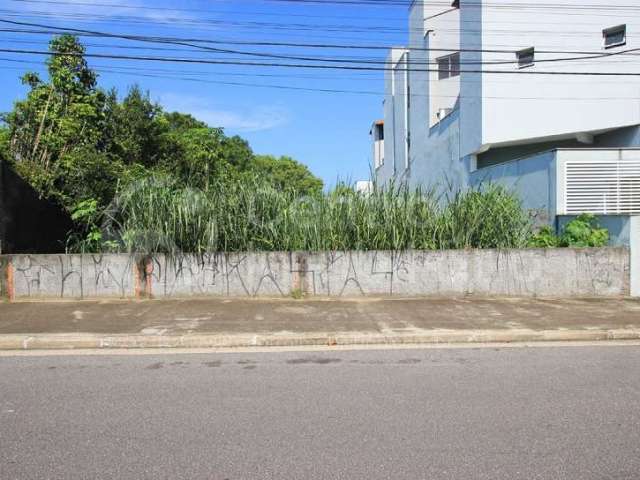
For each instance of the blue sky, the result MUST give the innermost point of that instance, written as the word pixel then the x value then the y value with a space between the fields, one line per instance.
pixel 326 131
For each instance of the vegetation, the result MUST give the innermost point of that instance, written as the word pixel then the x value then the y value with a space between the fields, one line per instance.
pixel 138 179
pixel 584 231
pixel 159 214
pixel 75 143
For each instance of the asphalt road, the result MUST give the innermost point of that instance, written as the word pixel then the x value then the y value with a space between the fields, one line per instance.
pixel 540 413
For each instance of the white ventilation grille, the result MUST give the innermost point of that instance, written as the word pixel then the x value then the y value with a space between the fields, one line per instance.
pixel 605 187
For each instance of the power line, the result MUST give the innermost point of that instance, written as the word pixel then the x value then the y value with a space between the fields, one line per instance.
pixel 363 76
pixel 383 3
pixel 353 92
pixel 330 46
pixel 464 4
pixel 312 66
pixel 191 44
pixel 340 28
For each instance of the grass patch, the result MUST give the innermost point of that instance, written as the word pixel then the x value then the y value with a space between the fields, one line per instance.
pixel 158 215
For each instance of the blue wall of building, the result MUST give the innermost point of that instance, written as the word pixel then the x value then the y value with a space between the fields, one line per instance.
pixel 624 137
pixel 532 179
pixel 439 166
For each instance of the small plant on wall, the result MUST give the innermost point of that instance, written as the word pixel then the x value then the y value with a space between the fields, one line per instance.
pixel 583 231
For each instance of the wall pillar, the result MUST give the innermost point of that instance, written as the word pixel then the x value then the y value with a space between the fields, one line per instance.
pixel 7 288
pixel 634 240
pixel 143 277
pixel 3 212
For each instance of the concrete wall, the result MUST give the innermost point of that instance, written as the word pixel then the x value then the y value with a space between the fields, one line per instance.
pixel 419 89
pixel 471 80
pixel 401 114
pixel 558 273
pixel 443 39
pixel 635 255
pixel 393 114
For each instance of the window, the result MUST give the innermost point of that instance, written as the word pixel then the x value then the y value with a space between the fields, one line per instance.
pixel 449 66
pixel 454 65
pixel 380 132
pixel 615 36
pixel 526 58
pixel 443 68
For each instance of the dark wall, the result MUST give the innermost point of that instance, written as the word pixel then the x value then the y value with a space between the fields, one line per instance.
pixel 627 137
pixel 29 224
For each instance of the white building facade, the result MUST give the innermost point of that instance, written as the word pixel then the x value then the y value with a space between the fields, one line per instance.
pixel 492 92
pixel 377 139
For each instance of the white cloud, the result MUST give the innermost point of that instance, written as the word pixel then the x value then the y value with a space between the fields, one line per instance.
pixel 254 119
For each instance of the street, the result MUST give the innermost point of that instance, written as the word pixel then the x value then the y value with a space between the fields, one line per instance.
pixel 476 413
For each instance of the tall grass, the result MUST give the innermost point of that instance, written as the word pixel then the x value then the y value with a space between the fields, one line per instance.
pixel 159 215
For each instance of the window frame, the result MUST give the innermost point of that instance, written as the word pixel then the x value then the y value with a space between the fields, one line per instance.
pixel 452 69
pixel 525 53
pixel 443 71
pixel 612 31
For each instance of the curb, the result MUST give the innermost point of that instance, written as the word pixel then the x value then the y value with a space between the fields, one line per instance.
pixel 106 342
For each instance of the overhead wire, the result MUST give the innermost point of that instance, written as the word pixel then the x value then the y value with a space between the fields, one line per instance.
pixel 360 65
pixel 364 76
pixel 314 66
pixel 354 92
pixel 191 44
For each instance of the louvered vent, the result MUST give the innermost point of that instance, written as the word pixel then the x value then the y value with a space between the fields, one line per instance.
pixel 607 187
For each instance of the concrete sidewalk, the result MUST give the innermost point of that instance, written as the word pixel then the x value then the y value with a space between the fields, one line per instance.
pixel 207 323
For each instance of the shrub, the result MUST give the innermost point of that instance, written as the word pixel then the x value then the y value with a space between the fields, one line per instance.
pixel 490 217
pixel 545 238
pixel 583 231
pixel 158 214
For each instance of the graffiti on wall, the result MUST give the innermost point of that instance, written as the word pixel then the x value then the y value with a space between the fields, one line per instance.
pixel 568 272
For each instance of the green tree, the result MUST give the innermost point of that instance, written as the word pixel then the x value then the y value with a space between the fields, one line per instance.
pixel 237 153
pixel 59 117
pixel 197 156
pixel 79 145
pixel 180 122
pixel 136 128
pixel 286 173
pixel 4 141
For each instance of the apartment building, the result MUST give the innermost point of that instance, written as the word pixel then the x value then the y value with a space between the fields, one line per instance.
pixel 541 97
